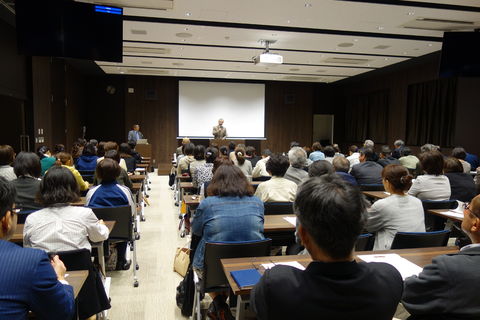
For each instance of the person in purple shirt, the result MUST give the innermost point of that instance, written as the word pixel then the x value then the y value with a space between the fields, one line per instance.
pixel 29 280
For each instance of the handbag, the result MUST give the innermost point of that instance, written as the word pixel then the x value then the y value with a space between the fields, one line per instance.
pixel 181 261
pixel 185 293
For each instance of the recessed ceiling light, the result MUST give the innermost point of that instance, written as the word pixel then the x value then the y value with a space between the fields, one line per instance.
pixel 308 5
pixel 184 40
pixel 355 40
pixel 386 59
pixel 122 72
pixel 184 35
pixel 411 13
pixel 430 44
pixel 188 14
pixel 380 28
pixel 181 48
pixel 186 29
pixel 288 21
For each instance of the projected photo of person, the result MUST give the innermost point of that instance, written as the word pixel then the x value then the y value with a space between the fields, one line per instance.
pixel 219 132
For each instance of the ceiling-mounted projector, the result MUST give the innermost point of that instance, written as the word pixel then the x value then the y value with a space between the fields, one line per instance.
pixel 267 58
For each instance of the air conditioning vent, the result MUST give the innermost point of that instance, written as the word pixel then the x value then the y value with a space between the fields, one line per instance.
pixel 439 24
pixel 346 61
pixel 149 71
pixel 127 49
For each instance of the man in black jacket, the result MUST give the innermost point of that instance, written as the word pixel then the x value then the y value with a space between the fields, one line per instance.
pixel 333 286
pixel 368 171
pixel 386 157
pixel 447 288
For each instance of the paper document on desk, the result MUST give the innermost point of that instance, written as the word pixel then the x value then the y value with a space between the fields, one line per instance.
pixel 292 220
pixel 405 267
pixel 294 264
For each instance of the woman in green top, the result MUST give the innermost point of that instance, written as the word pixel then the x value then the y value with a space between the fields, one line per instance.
pixel 46 158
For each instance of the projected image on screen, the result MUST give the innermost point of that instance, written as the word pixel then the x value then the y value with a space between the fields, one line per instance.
pixel 241 105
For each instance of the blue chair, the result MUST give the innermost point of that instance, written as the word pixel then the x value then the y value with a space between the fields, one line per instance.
pixel 372 187
pixel 406 240
pixel 433 222
pixel 365 242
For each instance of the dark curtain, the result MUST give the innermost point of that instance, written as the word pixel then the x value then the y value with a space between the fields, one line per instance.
pixel 431 110
pixel 367 117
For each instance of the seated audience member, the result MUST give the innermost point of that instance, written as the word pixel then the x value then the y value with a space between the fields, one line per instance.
pixel 65 160
pixel 29 280
pixel 231 150
pixel 88 160
pixel 473 160
pixel 398 146
pixel 298 161
pixel 58 148
pixel 101 149
pixel 317 153
pixel 27 168
pixel 216 164
pixel 46 158
pixel 342 166
pixel 461 184
pixel 123 179
pixel 330 213
pixel 94 142
pixel 408 160
pixel 230 213
pixel 367 171
pixel 445 289
pixel 277 189
pixel 199 156
pixel 7 156
pixel 370 144
pixel 244 164
pixel 251 155
pixel 353 155
pixel 110 145
pixel 60 226
pixel 111 194
pixel 460 154
pixel 329 152
pixel 76 151
pixel 337 150
pixel 433 185
pixel 179 150
pixel 260 169
pixel 386 157
pixel 126 154
pixel 184 163
pixel 204 172
pixel 428 147
pixel 223 152
pixel 398 212
pixel 294 144
pixel 133 152
pixel 319 168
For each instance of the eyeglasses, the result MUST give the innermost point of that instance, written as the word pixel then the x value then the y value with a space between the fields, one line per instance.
pixel 466 206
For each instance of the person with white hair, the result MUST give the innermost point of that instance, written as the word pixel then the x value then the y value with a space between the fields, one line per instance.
pixel 398 148
pixel 219 132
pixel 298 161
pixel 371 145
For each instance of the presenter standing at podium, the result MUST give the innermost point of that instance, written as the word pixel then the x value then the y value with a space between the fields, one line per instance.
pixel 219 132
pixel 135 134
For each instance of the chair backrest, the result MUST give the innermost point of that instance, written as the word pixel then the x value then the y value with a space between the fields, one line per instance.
pixel 87 175
pixel 405 240
pixel 123 220
pixel 365 242
pixel 262 178
pixel 22 216
pixel 372 187
pixel 213 274
pixel 272 208
pixel 433 222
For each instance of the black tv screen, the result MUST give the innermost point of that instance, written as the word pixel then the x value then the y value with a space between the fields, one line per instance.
pixel 460 54
pixel 69 29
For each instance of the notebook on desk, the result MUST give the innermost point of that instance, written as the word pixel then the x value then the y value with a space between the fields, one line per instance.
pixel 246 278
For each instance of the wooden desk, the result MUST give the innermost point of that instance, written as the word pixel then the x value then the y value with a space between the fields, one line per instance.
pixel 420 257
pixel 137 177
pixel 18 234
pixel 376 194
pixel 192 201
pixel 277 223
pixel 444 214
pixel 137 186
pixel 182 177
pixel 76 279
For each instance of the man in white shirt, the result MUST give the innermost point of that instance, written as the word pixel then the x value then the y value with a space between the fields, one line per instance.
pixel 277 189
pixel 353 155
pixel 260 169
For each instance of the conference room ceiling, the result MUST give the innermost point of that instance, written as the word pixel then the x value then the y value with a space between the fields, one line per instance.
pixel 320 40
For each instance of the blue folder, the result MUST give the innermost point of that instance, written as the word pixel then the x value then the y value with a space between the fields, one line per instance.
pixel 246 278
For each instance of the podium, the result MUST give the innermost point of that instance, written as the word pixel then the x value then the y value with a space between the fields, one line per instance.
pixel 224 142
pixel 145 150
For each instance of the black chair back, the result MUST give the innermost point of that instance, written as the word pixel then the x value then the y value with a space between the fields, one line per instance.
pixel 406 240
pixel 262 178
pixel 123 218
pixel 433 222
pixel 278 208
pixel 372 187
pixel 365 242
pixel 22 216
pixel 131 163
pixel 87 175
pixel 213 274
pixel 92 298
